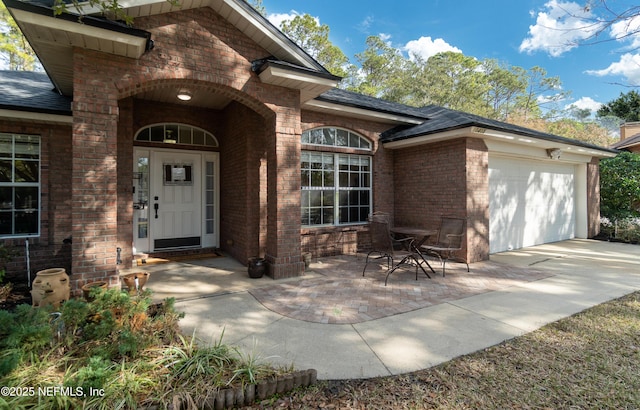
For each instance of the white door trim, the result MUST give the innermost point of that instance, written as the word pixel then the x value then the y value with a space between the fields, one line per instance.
pixel 145 228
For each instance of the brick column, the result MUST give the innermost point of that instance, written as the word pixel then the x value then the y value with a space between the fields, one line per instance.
pixel 593 197
pixel 94 183
pixel 283 250
pixel 477 191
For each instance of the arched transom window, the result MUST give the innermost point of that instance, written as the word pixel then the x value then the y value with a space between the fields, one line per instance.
pixel 335 137
pixel 171 133
pixel 335 186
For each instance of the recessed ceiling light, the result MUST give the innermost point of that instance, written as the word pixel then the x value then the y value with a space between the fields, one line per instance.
pixel 184 95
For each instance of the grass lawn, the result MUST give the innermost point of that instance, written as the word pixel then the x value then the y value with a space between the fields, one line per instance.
pixel 590 360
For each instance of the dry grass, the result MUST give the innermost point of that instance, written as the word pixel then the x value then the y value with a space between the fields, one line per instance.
pixel 589 360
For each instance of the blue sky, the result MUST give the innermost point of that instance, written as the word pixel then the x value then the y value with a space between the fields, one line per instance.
pixel 523 33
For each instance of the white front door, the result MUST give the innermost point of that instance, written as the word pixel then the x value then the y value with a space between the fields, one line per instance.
pixel 176 200
pixel 179 207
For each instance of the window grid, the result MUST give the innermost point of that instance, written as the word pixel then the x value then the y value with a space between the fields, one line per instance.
pixel 335 137
pixel 177 134
pixel 209 203
pixel 19 185
pixel 324 185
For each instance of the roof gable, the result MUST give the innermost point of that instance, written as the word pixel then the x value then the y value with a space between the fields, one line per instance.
pixel 53 38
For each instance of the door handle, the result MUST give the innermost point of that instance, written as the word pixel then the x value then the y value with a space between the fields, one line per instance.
pixel 155 207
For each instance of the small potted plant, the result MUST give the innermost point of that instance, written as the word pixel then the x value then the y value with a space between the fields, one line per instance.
pixel 256 267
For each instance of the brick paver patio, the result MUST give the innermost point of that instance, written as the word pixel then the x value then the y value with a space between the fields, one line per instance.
pixel 343 296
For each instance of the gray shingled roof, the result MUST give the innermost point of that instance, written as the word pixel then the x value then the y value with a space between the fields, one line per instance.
pixel 351 99
pixel 436 119
pixel 442 119
pixel 627 142
pixel 31 91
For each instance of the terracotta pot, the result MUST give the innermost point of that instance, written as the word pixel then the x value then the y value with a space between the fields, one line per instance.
pixel 135 281
pixel 50 287
pixel 306 257
pixel 86 289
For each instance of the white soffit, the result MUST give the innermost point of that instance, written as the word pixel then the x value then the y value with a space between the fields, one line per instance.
pixel 310 85
pixel 36 116
pixel 55 31
pixel 361 113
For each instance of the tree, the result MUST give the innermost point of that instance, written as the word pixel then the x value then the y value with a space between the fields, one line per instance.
pixel 620 186
pixel 314 39
pixel 505 84
pixel 258 6
pixel 541 91
pixel 619 21
pixel 451 80
pixel 626 107
pixel 14 48
pixel 382 70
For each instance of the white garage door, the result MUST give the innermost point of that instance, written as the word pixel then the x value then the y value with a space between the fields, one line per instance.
pixel 530 202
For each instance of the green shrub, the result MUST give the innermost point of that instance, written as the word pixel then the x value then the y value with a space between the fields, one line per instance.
pixel 95 374
pixel 123 346
pixel 620 186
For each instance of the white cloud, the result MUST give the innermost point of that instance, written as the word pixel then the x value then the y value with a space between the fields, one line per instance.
pixel 425 47
pixel 278 18
pixel 366 24
pixel 559 28
pixel 627 30
pixel 586 102
pixel 385 37
pixel 628 66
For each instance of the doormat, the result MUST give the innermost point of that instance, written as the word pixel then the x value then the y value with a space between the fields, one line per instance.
pixel 176 258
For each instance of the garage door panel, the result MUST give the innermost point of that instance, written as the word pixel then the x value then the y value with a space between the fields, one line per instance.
pixel 530 203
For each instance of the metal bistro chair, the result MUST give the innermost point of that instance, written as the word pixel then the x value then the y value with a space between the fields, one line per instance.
pixel 383 244
pixel 449 241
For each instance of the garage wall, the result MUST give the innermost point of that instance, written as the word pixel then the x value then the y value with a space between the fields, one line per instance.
pixel 530 202
pixel 447 178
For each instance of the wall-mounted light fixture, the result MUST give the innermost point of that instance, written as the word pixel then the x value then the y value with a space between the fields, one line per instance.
pixel 554 153
pixel 184 95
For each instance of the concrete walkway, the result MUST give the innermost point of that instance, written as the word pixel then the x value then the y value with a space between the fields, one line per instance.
pixel 584 273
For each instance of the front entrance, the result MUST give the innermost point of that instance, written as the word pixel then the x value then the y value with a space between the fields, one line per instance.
pixel 175 199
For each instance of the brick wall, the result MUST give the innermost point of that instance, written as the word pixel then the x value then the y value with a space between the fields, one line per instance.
pixel 126 131
pixel 477 186
pixel 593 198
pixel 241 204
pixel 447 178
pixel 94 174
pixel 283 250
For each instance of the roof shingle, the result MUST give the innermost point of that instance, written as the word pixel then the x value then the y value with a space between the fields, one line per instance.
pixel 31 91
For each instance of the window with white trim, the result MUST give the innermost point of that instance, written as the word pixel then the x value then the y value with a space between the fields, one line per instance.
pixel 173 133
pixel 19 185
pixel 335 186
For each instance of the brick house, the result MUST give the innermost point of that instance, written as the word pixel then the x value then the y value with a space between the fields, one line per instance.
pixel 205 127
pixel 629 137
